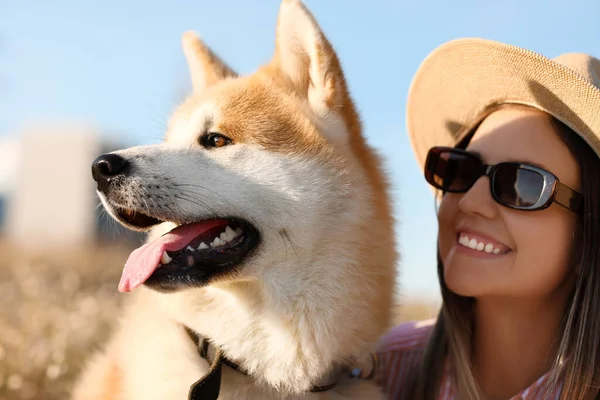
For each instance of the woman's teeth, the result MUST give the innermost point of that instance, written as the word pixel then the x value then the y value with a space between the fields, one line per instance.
pixel 474 244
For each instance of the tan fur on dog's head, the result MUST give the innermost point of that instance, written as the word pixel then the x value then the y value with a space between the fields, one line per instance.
pixel 319 289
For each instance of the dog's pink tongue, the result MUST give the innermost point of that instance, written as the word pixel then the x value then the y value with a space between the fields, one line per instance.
pixel 143 261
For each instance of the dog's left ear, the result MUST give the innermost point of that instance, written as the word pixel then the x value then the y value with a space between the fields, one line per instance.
pixel 206 68
pixel 307 59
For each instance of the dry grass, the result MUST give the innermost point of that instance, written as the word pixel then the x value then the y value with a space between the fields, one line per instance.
pixel 55 310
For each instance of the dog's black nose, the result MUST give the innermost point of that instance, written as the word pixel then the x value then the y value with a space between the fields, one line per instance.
pixel 107 167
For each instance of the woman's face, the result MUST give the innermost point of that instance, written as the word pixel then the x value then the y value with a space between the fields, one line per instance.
pixel 534 246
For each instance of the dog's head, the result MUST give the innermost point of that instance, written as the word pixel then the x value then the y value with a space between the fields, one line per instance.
pixel 253 169
pixel 262 178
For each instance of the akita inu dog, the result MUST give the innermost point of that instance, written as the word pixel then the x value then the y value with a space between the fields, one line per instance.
pixel 269 270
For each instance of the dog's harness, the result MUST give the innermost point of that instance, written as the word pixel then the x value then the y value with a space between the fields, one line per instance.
pixel 209 386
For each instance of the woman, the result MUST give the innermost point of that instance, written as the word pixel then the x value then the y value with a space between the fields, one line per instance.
pixel 510 139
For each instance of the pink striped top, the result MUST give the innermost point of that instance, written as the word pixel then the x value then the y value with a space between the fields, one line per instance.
pixel 401 352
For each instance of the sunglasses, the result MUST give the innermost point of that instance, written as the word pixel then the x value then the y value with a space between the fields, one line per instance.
pixel 515 185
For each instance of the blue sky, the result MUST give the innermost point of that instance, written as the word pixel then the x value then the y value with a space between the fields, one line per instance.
pixel 118 65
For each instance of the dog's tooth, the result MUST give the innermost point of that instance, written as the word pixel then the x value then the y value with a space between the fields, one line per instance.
pixel 202 246
pixel 238 231
pixel 230 232
pixel 190 248
pixel 225 237
pixel 165 259
pixel 216 242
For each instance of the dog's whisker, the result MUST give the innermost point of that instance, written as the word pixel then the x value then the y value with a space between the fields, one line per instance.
pixel 146 207
pixel 110 224
pixel 198 202
pixel 285 244
pixel 191 194
pixel 284 234
pixel 184 190
pixel 178 185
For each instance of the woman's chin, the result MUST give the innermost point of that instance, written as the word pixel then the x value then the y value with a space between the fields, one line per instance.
pixel 469 276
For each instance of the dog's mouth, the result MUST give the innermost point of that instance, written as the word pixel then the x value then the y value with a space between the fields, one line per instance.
pixel 136 219
pixel 190 255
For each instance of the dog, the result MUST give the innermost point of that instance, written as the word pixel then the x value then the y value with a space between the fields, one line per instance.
pixel 270 262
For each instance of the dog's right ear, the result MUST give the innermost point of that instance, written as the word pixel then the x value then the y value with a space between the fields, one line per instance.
pixel 206 68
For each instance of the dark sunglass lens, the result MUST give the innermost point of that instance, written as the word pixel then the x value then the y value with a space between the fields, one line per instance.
pixel 451 171
pixel 517 186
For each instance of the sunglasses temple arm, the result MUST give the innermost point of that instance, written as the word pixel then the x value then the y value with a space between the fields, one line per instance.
pixel 567 197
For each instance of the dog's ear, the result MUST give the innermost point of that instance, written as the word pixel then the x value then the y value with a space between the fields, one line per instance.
pixel 306 57
pixel 205 66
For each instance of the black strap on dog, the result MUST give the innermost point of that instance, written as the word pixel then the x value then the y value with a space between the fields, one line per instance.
pixel 209 386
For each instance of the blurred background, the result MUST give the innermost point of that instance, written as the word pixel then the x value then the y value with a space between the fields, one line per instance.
pixel 81 77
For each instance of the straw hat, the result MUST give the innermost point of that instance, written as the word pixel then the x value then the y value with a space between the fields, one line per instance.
pixel 459 80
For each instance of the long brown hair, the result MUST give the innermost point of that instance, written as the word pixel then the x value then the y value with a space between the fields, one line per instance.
pixel 578 355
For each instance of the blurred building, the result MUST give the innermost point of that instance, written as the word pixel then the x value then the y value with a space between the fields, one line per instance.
pixel 47 192
pixel 9 159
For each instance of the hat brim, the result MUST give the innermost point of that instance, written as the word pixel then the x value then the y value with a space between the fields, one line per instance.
pixel 461 79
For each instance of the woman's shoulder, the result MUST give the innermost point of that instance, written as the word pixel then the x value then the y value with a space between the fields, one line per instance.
pixel 400 352
pixel 407 337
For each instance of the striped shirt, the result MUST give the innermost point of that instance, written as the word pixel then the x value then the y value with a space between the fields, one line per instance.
pixel 401 352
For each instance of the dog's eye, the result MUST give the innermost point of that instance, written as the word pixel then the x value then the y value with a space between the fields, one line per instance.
pixel 213 139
